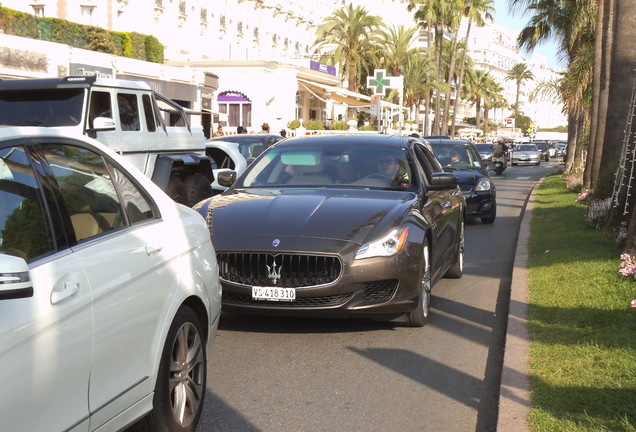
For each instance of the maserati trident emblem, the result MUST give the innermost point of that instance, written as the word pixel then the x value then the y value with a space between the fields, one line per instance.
pixel 272 274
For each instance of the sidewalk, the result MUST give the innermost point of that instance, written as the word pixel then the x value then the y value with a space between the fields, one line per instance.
pixel 514 393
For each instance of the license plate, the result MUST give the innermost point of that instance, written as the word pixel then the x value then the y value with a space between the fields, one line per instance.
pixel 273 293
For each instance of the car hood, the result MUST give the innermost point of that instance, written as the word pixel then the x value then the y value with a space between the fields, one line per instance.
pixel 526 153
pixel 257 217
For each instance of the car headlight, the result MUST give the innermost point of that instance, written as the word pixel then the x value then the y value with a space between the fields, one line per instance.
pixel 483 184
pixel 388 245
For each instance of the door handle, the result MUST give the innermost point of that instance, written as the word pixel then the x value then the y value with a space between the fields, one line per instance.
pixel 153 249
pixel 69 289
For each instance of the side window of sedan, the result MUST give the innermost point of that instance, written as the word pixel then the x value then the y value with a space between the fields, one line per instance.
pixel 137 204
pixel 25 229
pixel 87 189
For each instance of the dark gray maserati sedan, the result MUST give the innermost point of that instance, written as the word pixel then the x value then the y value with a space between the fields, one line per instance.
pixel 338 226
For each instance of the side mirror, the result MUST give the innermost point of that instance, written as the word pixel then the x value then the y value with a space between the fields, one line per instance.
pixel 443 181
pixel 103 124
pixel 226 178
pixel 15 281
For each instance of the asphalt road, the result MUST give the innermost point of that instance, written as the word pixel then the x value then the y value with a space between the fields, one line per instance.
pixel 288 374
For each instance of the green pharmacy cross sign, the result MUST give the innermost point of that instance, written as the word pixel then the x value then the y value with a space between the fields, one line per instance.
pixel 379 82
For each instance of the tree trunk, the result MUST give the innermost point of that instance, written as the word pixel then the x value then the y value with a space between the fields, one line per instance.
pixel 621 79
pixel 478 113
pixel 460 81
pixel 485 129
pixel 449 80
pixel 603 49
pixel 427 110
pixel 517 98
pixel 624 193
pixel 439 37
pixel 351 76
pixel 574 140
pixel 630 244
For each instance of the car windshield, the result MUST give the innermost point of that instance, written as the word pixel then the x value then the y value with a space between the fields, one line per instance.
pixel 484 148
pixel 457 156
pixel 58 107
pixel 526 147
pixel 331 165
pixel 250 146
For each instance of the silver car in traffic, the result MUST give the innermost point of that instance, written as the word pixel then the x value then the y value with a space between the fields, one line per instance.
pixel 526 154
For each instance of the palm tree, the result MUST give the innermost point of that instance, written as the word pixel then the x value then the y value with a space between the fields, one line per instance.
pixel 493 99
pixel 347 37
pixel 419 82
pixel 454 21
pixel 571 23
pixel 395 45
pixel 477 11
pixel 435 15
pixel 519 73
pixel 478 86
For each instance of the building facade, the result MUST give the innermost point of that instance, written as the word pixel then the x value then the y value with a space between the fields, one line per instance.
pixel 495 50
pixel 262 53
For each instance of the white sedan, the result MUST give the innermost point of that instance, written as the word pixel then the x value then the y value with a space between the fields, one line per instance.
pixel 109 291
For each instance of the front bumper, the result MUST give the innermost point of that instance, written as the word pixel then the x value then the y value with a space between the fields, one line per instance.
pixel 480 204
pixel 525 161
pixel 380 287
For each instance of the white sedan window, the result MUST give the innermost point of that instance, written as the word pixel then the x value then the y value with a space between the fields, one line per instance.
pixel 87 190
pixel 24 226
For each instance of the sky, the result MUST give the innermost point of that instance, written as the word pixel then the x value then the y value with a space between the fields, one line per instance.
pixel 518 21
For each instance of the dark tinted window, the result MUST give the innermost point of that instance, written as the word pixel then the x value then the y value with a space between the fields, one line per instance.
pixel 100 106
pixel 56 107
pixel 24 226
pixel 149 113
pixel 128 111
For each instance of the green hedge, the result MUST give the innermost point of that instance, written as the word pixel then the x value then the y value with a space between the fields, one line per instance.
pixel 18 23
pixel 339 125
pixel 314 125
pixel 124 44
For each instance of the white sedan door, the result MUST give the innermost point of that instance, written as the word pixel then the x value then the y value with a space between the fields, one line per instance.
pixel 46 335
pixel 125 248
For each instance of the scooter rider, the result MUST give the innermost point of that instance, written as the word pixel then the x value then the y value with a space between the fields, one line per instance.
pixel 499 148
pixel 499 154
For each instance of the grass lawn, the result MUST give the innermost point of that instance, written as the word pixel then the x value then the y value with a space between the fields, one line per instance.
pixel 583 349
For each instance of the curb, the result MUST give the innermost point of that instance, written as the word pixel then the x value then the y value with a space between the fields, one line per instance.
pixel 515 398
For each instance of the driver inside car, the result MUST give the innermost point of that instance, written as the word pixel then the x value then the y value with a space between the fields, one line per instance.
pixel 388 165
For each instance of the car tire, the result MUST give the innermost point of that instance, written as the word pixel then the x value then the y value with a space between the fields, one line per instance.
pixel 176 190
pixel 197 189
pixel 181 380
pixel 457 269
pixel 419 316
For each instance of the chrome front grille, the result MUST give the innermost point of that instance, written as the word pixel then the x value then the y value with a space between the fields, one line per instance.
pixel 282 270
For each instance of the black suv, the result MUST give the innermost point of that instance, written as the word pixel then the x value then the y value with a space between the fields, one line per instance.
pixel 544 149
pixel 462 159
